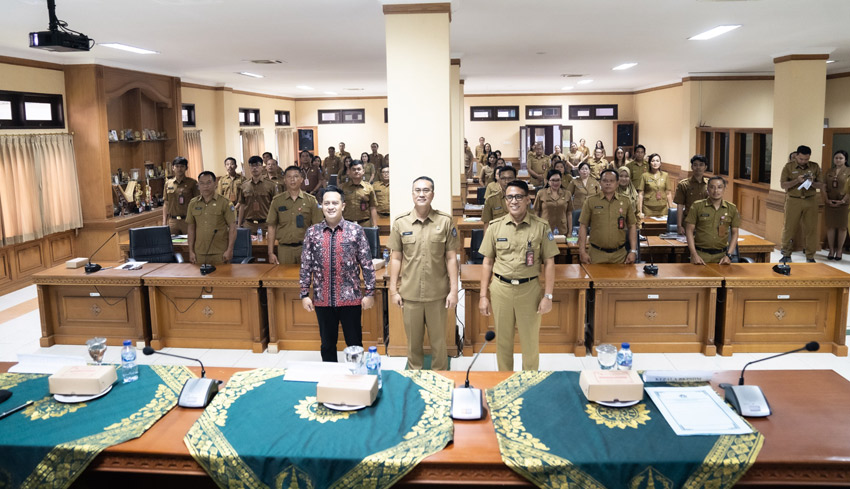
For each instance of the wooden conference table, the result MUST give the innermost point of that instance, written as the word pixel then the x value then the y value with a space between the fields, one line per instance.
pixel 805 440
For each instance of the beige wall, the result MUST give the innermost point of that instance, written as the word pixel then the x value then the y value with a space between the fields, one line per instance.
pixel 37 80
pixel 660 115
pixel 838 102
pixel 735 103
pixel 357 137
pixel 208 119
pixel 504 135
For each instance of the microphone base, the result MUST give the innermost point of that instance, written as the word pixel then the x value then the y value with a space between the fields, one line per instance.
pixel 747 400
pixel 467 403
pixel 92 267
pixel 782 269
pixel 650 269
pixel 207 269
pixel 197 393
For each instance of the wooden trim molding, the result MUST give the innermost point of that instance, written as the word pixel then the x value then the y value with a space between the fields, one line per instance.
pixel 419 8
pixel 560 94
pixel 264 95
pixel 205 87
pixel 838 75
pixel 801 57
pixel 728 78
pixel 31 63
pixel 455 62
pixel 653 89
pixel 462 81
pixel 319 99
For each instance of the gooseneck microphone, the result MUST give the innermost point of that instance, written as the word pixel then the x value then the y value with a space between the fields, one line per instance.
pixel 467 402
pixel 94 267
pixel 196 393
pixel 208 268
pixel 810 346
pixel 652 268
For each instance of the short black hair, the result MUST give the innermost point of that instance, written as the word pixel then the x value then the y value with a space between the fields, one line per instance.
pixel 180 161
pixel 699 157
pixel 717 177
pixel 331 148
pixel 305 151
pixel 519 184
pixel 609 170
pixel 293 167
pixel 230 158
pixel 584 163
pixel 333 188
pixel 206 173
pixel 268 153
pixel 423 177
pixel 505 168
pixel 552 172
pixel 255 160
pixel 804 150
pixel 640 146
pixel 355 163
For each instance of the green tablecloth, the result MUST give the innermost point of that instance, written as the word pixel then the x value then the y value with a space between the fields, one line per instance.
pixel 549 433
pixel 49 444
pixel 262 432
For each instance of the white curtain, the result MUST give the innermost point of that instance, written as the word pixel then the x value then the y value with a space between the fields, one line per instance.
pixel 192 140
pixel 285 146
pixel 253 144
pixel 39 188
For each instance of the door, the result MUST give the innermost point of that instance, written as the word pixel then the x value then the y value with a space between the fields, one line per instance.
pixel 306 138
pixel 549 136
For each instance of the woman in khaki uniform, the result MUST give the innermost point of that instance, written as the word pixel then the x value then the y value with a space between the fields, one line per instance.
pixel 487 174
pixel 554 203
pixel 655 194
pixel 619 160
pixel 836 208
pixel 561 166
pixel 573 159
pixel 482 159
pixel 583 186
pixel 626 189
pixel 368 168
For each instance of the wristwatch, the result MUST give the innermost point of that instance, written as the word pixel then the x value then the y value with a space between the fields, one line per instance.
pixel 728 255
pixel 633 251
pixel 547 296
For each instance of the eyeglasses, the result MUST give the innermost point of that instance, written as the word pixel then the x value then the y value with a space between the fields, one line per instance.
pixel 423 191
pixel 515 197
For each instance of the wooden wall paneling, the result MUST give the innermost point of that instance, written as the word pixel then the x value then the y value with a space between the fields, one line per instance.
pixel 60 248
pixel 6 274
pixel 29 258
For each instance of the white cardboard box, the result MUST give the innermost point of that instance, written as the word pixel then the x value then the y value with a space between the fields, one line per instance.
pixel 82 380
pixel 611 385
pixel 353 390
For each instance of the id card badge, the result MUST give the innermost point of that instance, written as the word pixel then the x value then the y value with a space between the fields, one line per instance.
pixel 299 221
pixel 180 199
pixel 834 183
pixel 256 206
pixel 621 222
pixel 529 256
pixel 364 205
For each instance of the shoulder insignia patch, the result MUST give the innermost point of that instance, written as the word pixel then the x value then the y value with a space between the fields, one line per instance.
pixel 454 232
pixel 550 236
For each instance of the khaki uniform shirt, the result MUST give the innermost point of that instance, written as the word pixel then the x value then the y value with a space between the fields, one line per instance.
pixel 654 187
pixel 256 198
pixel 178 195
pixel 580 191
pixel 689 191
pixel 596 167
pixel 494 208
pixel 382 196
pixel 333 165
pixel 712 225
pixel 218 213
pixel 343 154
pixel 467 158
pixel 277 173
pixel 423 244
pixel 229 187
pixel 359 199
pixel 539 164
pixel 377 160
pixel 291 218
pixel 479 150
pixel 312 176
pixel 509 244
pixel 637 170
pixel 486 175
pixel 791 171
pixel 603 216
pixel 492 189
pixel 368 171
pixel 554 209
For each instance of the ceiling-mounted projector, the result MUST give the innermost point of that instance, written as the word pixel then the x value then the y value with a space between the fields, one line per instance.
pixel 59 38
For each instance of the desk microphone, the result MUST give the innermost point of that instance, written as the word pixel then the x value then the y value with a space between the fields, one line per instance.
pixel 5 394
pixel 208 268
pixel 196 393
pixel 652 268
pixel 467 402
pixel 749 400
pixel 93 267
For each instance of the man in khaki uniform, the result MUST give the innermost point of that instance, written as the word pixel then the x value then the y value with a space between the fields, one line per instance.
pixel 638 166
pixel 690 190
pixel 332 164
pixel 611 219
pixel 514 248
pixel 255 197
pixel 179 190
pixel 467 159
pixel 312 176
pixel 479 150
pixel 801 206
pixel 424 245
pixel 494 206
pixel 274 174
pixel 376 158
pixel 229 184
pixel 342 152
pixel 597 163
pixel 212 224
pixel 382 192
pixel 538 165
pixel 361 205
pixel 290 214
pixel 709 224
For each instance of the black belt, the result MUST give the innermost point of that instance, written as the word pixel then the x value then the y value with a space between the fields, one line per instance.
pixel 710 251
pixel 609 250
pixel 514 281
pixel 385 214
pixel 294 245
pixel 364 220
pixel 803 197
pixel 256 221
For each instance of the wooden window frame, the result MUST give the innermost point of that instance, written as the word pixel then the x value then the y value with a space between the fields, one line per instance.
pixel 247 112
pixel 278 114
pixel 493 113
pixel 339 116
pixel 574 115
pixel 191 120
pixel 543 108
pixel 18 102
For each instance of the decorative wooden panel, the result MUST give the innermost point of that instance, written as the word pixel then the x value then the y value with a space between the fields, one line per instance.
pixel 60 248
pixel 5 268
pixel 29 258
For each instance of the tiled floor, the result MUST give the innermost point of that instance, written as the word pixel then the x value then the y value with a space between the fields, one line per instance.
pixel 20 330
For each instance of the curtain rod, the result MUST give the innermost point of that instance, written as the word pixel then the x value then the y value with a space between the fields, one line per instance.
pixel 40 134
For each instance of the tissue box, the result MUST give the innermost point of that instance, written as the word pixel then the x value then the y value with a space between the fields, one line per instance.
pixel 353 390
pixel 611 385
pixel 82 380
pixel 76 263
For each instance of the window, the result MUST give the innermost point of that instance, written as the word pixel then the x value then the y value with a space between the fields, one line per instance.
pixel 188 115
pixel 386 115
pixel 281 117
pixel 249 117
pixel 721 145
pixel 21 110
pixel 714 144
pixel 496 113
pixel 755 150
pixel 708 145
pixel 591 112
pixel 542 111
pixel 342 116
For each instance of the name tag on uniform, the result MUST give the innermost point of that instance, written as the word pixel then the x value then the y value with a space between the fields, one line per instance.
pixel 501 239
pixel 705 215
pixel 199 208
pixel 598 207
pixel 497 208
pixel 407 233
pixel 281 208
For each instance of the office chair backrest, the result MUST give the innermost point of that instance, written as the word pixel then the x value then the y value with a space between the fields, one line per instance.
pixel 243 250
pixel 576 215
pixel 374 241
pixel 480 193
pixel 151 244
pixel 475 257
pixel 671 220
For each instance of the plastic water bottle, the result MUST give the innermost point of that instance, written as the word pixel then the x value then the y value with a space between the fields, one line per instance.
pixel 624 357
pixel 386 257
pixel 129 369
pixel 373 364
pixel 259 234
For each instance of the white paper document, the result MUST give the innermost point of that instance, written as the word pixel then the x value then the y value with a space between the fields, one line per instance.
pixel 677 375
pixel 313 371
pixel 805 185
pixel 697 411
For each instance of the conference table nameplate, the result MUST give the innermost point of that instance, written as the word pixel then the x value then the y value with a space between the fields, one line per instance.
pixel 673 312
pixel 75 306
pixel 219 310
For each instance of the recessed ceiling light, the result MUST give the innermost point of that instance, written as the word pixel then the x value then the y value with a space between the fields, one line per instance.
pixel 567 88
pixel 124 47
pixel 624 66
pixel 830 61
pixel 248 73
pixel 330 93
pixel 266 61
pixel 571 75
pixel 354 89
pixel 585 82
pixel 712 33
pixel 303 87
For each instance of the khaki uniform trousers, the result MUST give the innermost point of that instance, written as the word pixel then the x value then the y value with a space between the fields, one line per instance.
pixel 178 226
pixel 515 308
pixel 800 213
pixel 416 316
pixel 599 256
pixel 289 255
pixel 212 259
pixel 711 258
pixel 253 227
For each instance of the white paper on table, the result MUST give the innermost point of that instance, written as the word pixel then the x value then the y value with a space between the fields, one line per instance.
pixel 313 371
pixel 677 375
pixel 31 363
pixel 696 411
pixel 805 185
